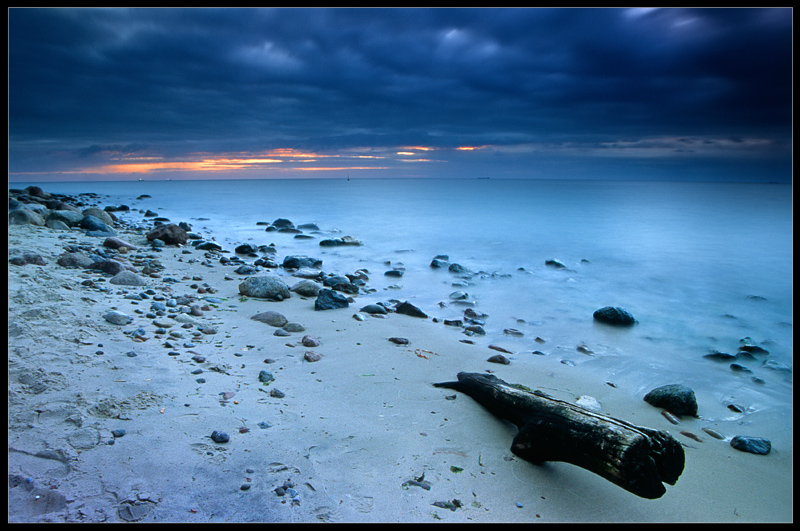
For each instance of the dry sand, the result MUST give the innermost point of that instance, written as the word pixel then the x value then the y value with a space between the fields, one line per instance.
pixel 351 429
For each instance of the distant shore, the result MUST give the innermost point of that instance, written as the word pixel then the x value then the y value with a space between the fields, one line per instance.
pixel 120 393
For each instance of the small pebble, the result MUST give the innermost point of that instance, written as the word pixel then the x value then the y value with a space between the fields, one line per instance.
pixel 245 486
pixel 220 436
pixel 118 433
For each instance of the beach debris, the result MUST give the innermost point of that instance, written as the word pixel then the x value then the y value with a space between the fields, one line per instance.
pixel 452 505
pixel 614 316
pixel 691 436
pixel 675 398
pixel 417 482
pixel 635 458
pixel 753 445
pixel 670 417
pixel 714 433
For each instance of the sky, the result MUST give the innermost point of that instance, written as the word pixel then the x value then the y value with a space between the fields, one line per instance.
pixel 683 94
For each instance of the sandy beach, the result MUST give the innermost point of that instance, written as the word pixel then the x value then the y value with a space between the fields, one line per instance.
pixel 343 436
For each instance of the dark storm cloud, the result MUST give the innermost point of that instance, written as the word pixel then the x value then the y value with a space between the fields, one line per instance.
pixel 170 82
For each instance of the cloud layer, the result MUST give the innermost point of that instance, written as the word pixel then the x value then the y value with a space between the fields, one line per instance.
pixel 247 92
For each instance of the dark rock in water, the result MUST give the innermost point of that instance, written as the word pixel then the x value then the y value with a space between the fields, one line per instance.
pixel 438 263
pixel 271 318
pixel 397 273
pixel 265 287
pixel 336 242
pixel 220 436
pixel 720 356
pixel 328 299
pixel 676 398
pixel 776 366
pixel 406 308
pixel 298 262
pixel 458 269
pixel 399 340
pixel 555 264
pixel 170 234
pixel 245 248
pixel 748 345
pixel 306 288
pixel 753 445
pixel 208 246
pixel 308 226
pixel 374 309
pixel 739 368
pixel 474 330
pixel 615 316
pixel 282 223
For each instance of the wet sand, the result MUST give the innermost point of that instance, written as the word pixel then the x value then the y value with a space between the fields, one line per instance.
pixel 350 430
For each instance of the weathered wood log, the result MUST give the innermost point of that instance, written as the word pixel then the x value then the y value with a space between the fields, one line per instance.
pixel 632 457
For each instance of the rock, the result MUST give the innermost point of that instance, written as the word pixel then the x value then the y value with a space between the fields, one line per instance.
pixel 308 273
pixel 499 358
pixel 94 224
pixel 220 436
pixel 311 356
pixel 776 366
pixel 117 318
pixel 374 309
pixel 102 215
pixel 555 264
pixel 335 242
pixel 75 260
pixel 298 261
pixel 588 402
pixel 68 217
pixel 170 234
pixel 440 261
pixel 719 356
pixel 458 269
pixel 265 287
pixel 676 398
pixel 117 243
pixel 328 299
pixel 277 393
pixel 245 248
pixel 22 258
pixel 118 433
pixel 406 308
pixel 294 327
pixel 753 445
pixel 271 318
pixel 282 223
pixel 399 340
pixel 24 216
pixel 614 315
pixel 310 341
pixel 306 288
pixel 56 224
pixel 395 273
pixel 110 267
pixel 127 278
pixel 265 377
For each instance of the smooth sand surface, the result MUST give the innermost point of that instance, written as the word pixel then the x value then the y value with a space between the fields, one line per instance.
pixel 351 429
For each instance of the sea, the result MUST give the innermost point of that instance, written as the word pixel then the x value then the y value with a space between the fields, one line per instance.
pixel 701 266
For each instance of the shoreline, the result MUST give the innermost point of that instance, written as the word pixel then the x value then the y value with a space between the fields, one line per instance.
pixel 349 431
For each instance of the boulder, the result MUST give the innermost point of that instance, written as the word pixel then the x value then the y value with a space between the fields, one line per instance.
pixel 555 264
pixel 24 216
pixel 117 243
pixel 336 242
pixel 127 278
pixel 22 258
pixel 265 287
pixel 614 316
pixel 406 308
pixel 271 318
pixel 68 217
pixel 328 299
pixel 102 215
pixel 75 260
pixel 306 288
pixel 753 445
pixel 298 262
pixel 94 224
pixel 675 398
pixel 170 234
pixel 374 309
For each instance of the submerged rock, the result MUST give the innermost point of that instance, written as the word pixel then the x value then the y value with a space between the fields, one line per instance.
pixel 676 398
pixel 614 315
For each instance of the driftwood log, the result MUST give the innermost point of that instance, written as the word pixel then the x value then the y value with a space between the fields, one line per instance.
pixel 632 457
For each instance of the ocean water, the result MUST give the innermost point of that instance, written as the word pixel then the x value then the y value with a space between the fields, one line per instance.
pixel 700 265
